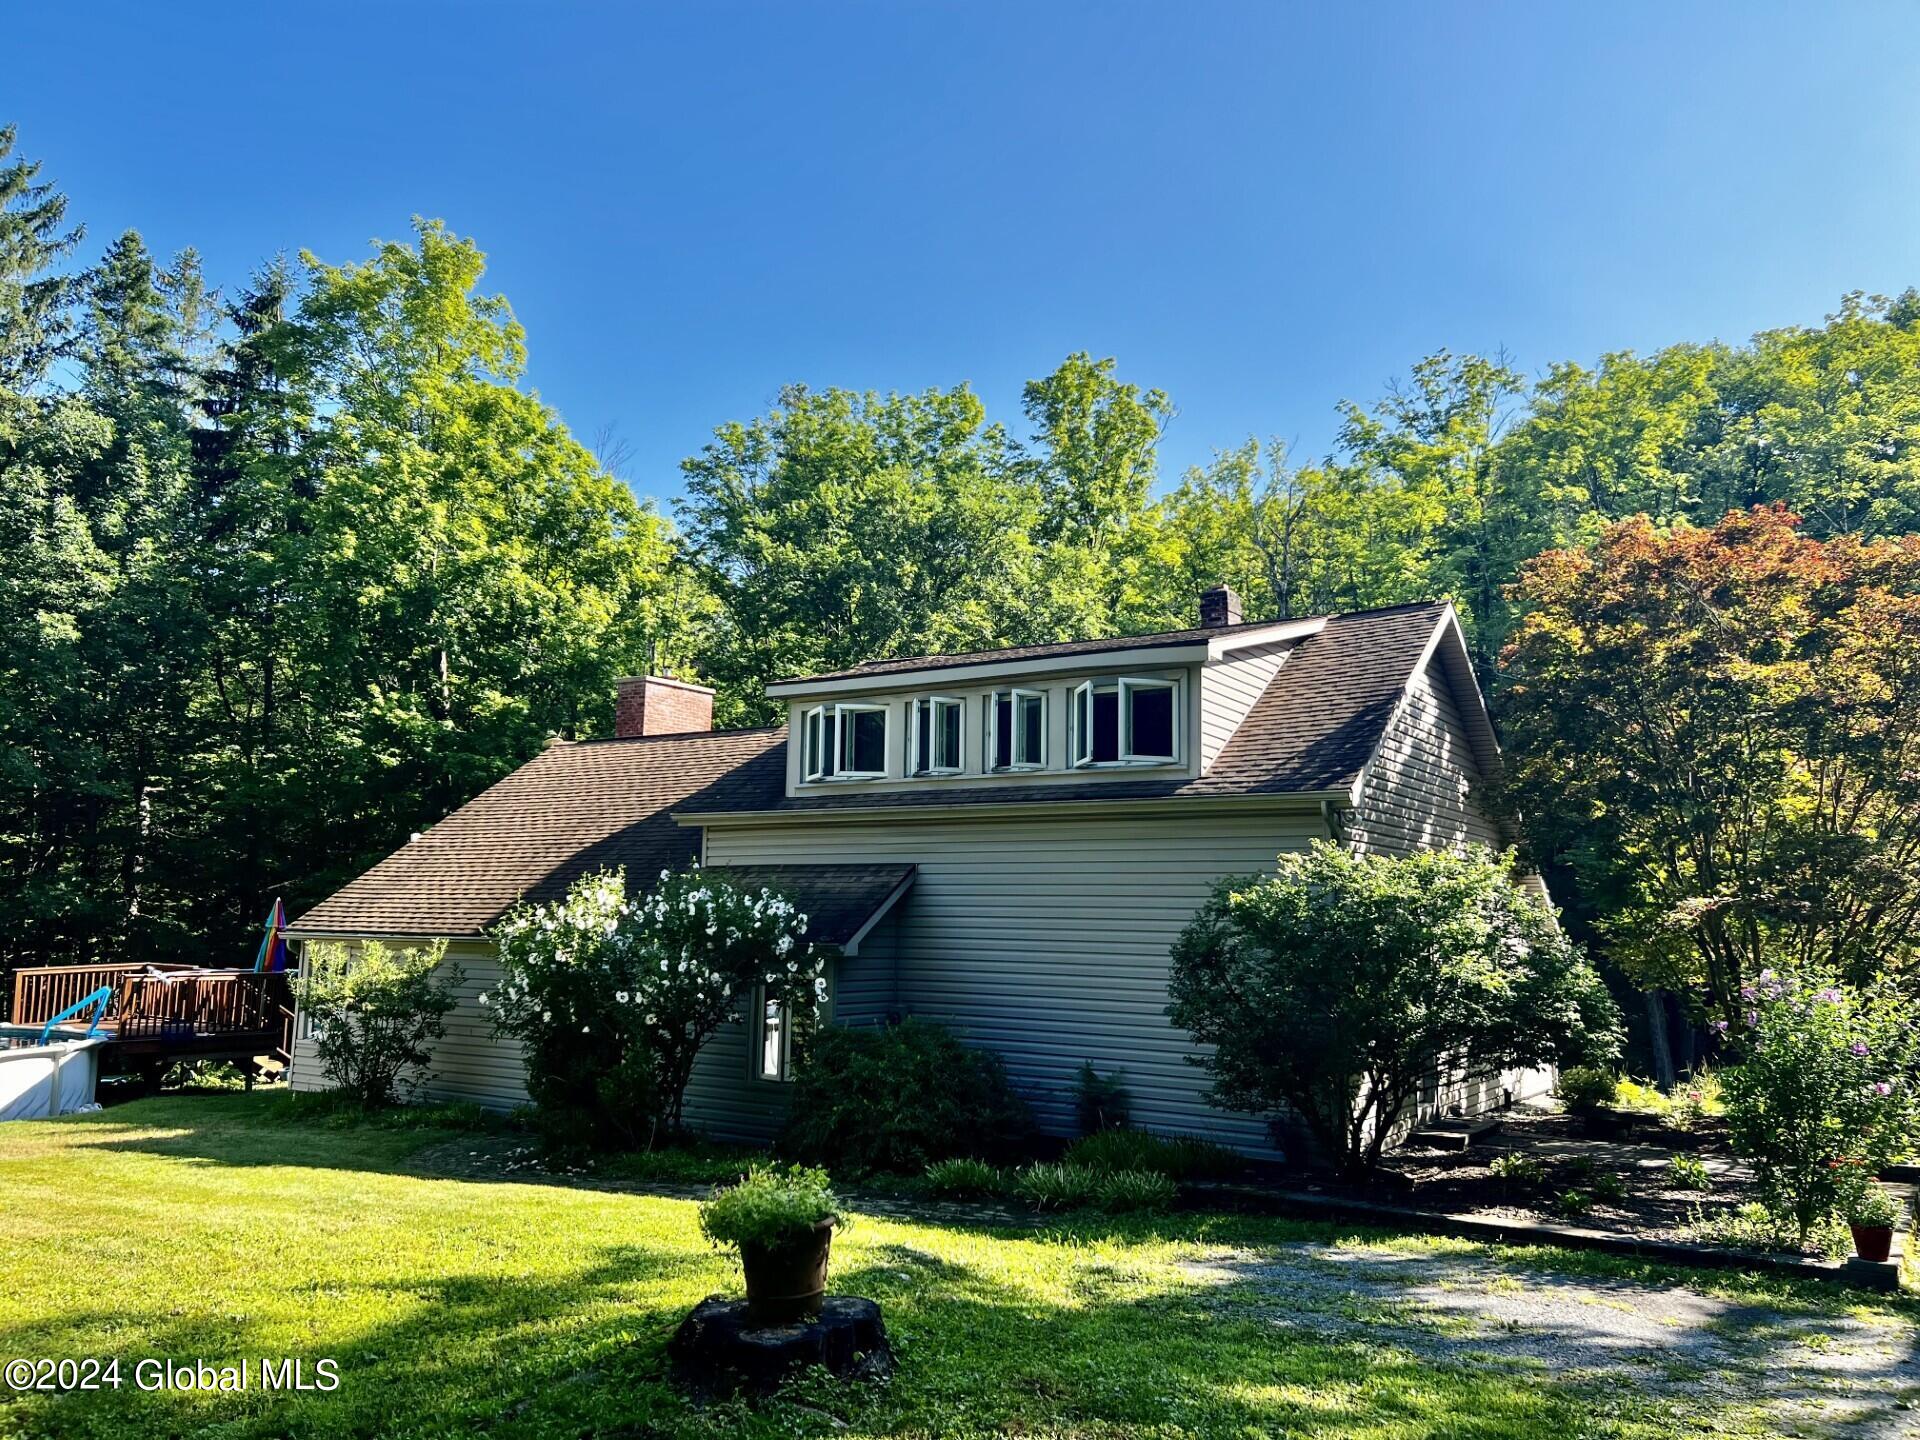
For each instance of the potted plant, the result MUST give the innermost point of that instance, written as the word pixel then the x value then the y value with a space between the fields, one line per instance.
pixel 782 1223
pixel 1871 1216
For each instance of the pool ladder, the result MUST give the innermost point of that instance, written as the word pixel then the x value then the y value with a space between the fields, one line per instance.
pixel 100 999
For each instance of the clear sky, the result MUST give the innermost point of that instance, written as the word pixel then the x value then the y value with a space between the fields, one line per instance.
pixel 1260 208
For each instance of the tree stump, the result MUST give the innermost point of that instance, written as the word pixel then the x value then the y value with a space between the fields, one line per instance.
pixel 718 1349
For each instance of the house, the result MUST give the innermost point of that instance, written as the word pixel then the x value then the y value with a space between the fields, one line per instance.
pixel 1005 842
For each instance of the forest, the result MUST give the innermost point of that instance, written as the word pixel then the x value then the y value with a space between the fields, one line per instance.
pixel 293 564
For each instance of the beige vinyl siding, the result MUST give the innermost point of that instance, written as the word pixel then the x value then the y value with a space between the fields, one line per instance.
pixel 1047 938
pixel 470 1063
pixel 1419 793
pixel 1228 690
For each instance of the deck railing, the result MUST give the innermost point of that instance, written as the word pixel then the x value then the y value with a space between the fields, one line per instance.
pixel 163 1003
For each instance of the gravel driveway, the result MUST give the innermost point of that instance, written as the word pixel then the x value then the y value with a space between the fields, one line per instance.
pixel 1807 1371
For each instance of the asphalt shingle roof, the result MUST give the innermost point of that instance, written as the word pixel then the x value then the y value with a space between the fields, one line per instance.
pixel 593 804
pixel 573 808
pixel 1313 729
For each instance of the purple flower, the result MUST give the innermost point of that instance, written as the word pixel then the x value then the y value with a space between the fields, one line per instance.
pixel 1719 1027
pixel 1746 992
pixel 1753 1017
pixel 1830 995
pixel 1859 1047
pixel 1881 1087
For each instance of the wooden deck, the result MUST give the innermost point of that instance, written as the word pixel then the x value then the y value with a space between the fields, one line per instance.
pixel 167 1012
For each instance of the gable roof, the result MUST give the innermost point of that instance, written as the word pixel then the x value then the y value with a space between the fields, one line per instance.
pixel 1059 649
pixel 1312 731
pixel 638 803
pixel 575 807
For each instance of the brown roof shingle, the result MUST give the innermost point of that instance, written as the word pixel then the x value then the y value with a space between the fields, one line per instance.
pixel 573 808
pixel 594 804
pixel 1313 729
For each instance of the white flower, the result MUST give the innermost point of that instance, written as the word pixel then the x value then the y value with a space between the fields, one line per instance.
pixel 621 996
pixel 546 1014
pixel 586 1030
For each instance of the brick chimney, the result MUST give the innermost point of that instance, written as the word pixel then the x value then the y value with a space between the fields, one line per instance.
pixel 656 705
pixel 1219 606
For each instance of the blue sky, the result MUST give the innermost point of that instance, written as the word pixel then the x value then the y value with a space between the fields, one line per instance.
pixel 1260 208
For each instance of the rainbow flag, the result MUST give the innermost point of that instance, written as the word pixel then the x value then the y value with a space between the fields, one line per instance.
pixel 273 945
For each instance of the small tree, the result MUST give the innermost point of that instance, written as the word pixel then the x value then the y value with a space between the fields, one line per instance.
pixel 1343 985
pixel 1823 1097
pixel 374 1014
pixel 612 997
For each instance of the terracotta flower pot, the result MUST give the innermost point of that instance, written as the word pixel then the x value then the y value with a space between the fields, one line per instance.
pixel 1872 1242
pixel 788 1282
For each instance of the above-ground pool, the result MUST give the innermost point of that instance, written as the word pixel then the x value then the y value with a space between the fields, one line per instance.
pixel 54 1078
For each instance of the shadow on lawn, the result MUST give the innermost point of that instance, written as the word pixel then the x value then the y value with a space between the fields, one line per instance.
pixel 1274 1327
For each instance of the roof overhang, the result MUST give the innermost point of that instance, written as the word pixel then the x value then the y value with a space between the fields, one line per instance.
pixel 1292 800
pixel 842 902
pixel 1186 653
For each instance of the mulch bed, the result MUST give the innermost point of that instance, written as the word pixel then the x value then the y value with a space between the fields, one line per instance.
pixel 1461 1182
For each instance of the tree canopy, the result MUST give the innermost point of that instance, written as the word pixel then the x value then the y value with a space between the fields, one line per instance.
pixel 290 569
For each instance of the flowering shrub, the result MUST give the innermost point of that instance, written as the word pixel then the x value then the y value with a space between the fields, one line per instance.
pixel 611 996
pixel 1823 1097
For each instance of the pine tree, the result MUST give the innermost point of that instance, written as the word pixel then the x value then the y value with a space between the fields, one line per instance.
pixel 33 301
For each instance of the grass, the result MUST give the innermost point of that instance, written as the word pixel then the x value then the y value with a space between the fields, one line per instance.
pixel 236 1227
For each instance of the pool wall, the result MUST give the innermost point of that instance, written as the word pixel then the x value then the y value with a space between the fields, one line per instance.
pixel 44 1080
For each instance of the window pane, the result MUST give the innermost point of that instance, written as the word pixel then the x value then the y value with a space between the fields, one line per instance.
pixel 773 1031
pixel 948 750
pixel 1106 725
pixel 1152 721
pixel 867 740
pixel 1002 730
pixel 1030 741
pixel 829 744
pixel 923 714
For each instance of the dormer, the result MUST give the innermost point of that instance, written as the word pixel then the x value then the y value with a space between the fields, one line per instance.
pixel 1155 706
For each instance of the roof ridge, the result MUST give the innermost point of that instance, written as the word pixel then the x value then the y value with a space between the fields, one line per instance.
pixel 678 735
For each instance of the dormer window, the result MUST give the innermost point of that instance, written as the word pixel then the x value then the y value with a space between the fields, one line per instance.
pixel 1017 730
pixel 846 742
pixel 863 741
pixel 1125 721
pixel 935 738
pixel 822 758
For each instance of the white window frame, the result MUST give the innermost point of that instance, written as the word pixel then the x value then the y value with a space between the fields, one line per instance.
pixel 816 760
pixel 1080 741
pixel 1013 696
pixel 757 1049
pixel 925 710
pixel 843 738
pixel 1128 685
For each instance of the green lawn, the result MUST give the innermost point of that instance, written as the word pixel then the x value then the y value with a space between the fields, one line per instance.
pixel 221 1228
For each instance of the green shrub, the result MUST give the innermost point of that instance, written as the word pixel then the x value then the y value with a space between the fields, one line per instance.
pixel 965 1179
pixel 1101 1102
pixel 1517 1169
pixel 896 1099
pixel 771 1207
pixel 1178 1157
pixel 1573 1203
pixel 1073 1187
pixel 1609 1188
pixel 1334 990
pixel 374 1014
pixel 1583 1089
pixel 1133 1191
pixel 1687 1172
pixel 1823 1097
pixel 1641 1099
pixel 1753 1227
